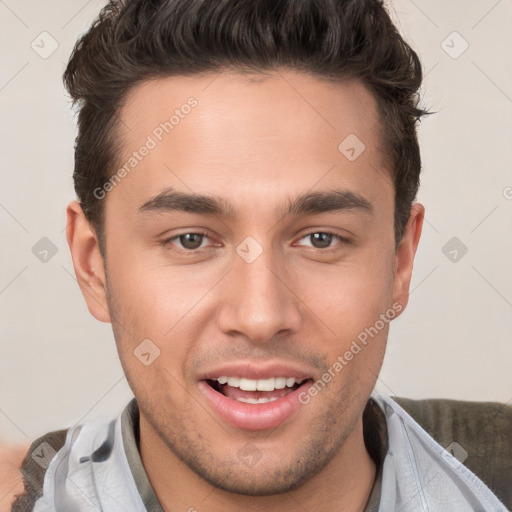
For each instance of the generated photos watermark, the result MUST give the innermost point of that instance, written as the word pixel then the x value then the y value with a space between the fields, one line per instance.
pixel 356 347
pixel 152 141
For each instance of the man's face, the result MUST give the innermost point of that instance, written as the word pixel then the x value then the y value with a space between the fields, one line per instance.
pixel 259 293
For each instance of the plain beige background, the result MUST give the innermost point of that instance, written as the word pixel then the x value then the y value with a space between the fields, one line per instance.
pixel 59 365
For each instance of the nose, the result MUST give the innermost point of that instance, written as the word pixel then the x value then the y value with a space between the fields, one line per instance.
pixel 258 301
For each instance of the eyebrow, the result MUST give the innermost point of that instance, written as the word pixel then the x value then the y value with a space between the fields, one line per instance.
pixel 310 203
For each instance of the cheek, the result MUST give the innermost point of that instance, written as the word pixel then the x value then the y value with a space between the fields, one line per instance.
pixel 151 337
pixel 353 310
pixel 161 304
pixel 350 296
pixel 154 298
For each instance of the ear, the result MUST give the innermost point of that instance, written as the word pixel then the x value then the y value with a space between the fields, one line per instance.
pixel 405 253
pixel 87 261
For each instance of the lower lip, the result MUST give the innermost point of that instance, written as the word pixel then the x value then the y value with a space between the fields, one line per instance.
pixel 253 416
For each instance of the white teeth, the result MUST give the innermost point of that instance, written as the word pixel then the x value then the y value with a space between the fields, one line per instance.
pixel 248 384
pixel 259 384
pixel 265 384
pixel 280 383
pixel 256 401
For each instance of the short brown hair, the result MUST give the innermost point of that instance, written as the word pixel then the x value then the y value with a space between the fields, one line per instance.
pixel 135 40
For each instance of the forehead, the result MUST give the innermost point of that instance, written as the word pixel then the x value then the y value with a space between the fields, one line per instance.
pixel 233 134
pixel 257 101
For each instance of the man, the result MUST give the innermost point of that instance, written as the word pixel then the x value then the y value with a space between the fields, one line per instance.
pixel 246 175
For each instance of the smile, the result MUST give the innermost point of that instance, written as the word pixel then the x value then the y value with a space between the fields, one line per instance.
pixel 252 391
pixel 254 404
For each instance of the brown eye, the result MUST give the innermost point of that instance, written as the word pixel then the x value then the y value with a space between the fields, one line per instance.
pixel 190 241
pixel 322 240
pixel 186 242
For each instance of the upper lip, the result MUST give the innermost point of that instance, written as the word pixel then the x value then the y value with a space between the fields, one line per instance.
pixel 255 371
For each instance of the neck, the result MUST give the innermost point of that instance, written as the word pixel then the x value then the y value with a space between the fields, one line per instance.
pixel 345 483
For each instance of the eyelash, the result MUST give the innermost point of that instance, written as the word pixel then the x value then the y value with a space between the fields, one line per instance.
pixel 191 252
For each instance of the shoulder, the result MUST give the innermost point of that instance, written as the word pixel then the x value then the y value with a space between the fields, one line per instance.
pixel 479 432
pixel 74 446
pixel 34 466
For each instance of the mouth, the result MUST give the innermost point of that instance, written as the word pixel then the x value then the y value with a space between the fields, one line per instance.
pixel 255 391
pixel 254 404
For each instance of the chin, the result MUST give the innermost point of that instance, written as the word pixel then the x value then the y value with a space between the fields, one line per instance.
pixel 267 484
